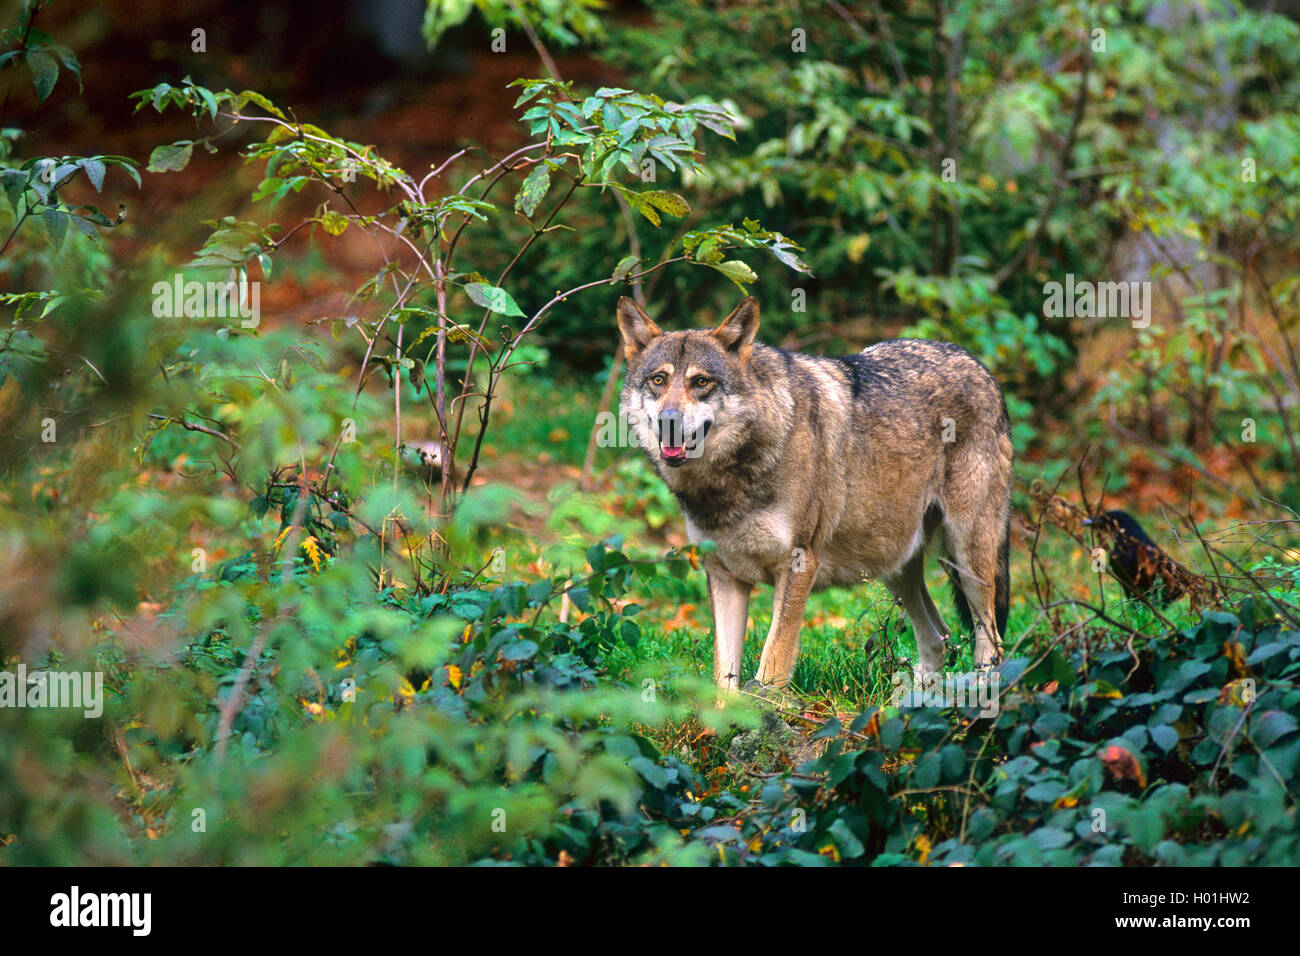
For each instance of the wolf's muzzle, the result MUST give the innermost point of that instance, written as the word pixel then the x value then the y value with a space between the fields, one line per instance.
pixel 675 447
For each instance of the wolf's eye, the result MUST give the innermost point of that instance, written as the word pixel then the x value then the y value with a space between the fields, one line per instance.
pixel 700 381
pixel 658 379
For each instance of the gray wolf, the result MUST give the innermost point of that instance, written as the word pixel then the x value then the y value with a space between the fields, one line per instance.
pixel 810 472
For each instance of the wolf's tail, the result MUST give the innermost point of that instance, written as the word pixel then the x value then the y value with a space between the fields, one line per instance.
pixel 1001 585
pixel 1002 582
pixel 958 596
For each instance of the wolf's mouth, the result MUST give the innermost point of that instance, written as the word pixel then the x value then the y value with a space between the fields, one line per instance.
pixel 677 455
pixel 674 456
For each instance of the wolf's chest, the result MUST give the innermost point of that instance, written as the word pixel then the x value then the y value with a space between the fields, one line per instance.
pixel 756 549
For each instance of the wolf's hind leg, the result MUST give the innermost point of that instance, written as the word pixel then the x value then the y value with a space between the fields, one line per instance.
pixel 977 550
pixel 729 602
pixel 908 586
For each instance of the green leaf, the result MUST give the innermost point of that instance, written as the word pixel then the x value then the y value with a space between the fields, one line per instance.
pixel 664 201
pixel 15 184
pixel 45 72
pixel 1165 737
pixel 129 165
pixel 87 228
pixel 56 224
pixel 209 101
pixel 650 771
pixel 94 172
pixel 441 15
pixel 1271 726
pixel 334 223
pixel 848 844
pixel 170 158
pixel 533 190
pixel 493 297
pixel 737 271
pixel 252 96
pixel 519 650
pixel 1045 792
pixel 624 267
pixel 581 598
pixel 642 206
pixel 1049 838
pixel 69 59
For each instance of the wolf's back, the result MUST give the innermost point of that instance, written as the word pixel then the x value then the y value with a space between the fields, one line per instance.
pixel 926 375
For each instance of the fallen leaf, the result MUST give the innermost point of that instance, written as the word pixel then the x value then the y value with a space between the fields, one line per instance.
pixel 1123 765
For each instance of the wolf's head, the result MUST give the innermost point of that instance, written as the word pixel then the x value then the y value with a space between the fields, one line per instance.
pixel 684 389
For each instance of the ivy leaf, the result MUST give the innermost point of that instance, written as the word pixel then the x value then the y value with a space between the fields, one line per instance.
pixel 493 297
pixel 653 774
pixel 1271 726
pixel 1165 737
pixel 521 650
pixel 533 190
pixel 1049 838
pixel 849 845
pixel 170 158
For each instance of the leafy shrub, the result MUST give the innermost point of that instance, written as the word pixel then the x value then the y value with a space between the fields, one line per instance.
pixel 1186 752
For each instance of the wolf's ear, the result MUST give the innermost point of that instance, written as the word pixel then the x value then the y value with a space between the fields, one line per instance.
pixel 638 329
pixel 737 331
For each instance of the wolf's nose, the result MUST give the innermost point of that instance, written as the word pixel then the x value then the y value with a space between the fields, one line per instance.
pixel 672 429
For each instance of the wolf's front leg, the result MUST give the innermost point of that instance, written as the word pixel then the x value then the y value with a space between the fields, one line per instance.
pixel 793 586
pixel 729 602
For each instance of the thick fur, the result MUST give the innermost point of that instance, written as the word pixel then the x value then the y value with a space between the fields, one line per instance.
pixel 809 472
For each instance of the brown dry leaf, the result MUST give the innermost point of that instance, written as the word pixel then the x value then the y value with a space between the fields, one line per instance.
pixel 1236 655
pixel 1123 765
pixel 873 727
pixel 1237 693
